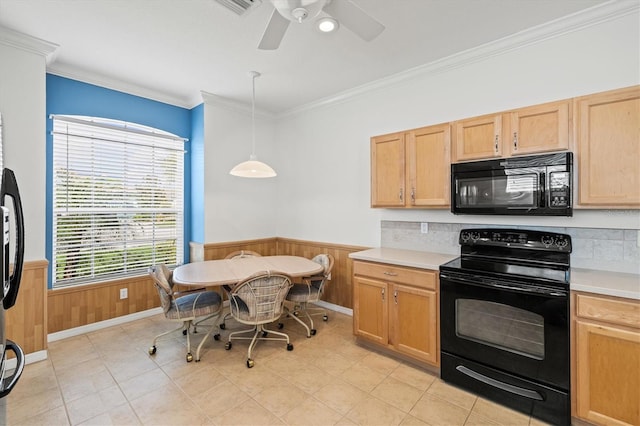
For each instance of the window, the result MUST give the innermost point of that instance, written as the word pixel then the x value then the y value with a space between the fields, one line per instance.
pixel 117 199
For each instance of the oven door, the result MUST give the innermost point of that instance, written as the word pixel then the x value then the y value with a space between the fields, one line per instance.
pixel 506 325
pixel 508 191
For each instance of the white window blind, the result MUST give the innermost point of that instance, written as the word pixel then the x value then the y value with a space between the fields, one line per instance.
pixel 117 199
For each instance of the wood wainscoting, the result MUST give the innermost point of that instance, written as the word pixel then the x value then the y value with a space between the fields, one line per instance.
pixel 339 290
pixel 81 305
pixel 26 321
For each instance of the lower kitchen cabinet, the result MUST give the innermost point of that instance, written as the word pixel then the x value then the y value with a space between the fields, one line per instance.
pixel 607 357
pixel 397 308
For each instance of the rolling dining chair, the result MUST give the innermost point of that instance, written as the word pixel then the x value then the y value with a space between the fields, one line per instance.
pixel 190 308
pixel 309 291
pixel 227 288
pixel 259 300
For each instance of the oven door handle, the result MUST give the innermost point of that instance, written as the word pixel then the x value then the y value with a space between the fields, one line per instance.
pixel 527 393
pixel 483 282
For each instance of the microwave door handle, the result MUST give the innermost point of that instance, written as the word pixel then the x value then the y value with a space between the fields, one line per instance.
pixel 542 193
pixel 9 189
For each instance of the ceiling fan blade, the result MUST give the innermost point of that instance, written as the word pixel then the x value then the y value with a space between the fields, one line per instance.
pixel 354 18
pixel 274 32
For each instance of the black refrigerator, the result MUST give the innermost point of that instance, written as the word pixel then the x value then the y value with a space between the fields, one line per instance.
pixel 10 371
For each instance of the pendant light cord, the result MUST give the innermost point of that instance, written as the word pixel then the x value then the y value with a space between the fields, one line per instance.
pixel 253 116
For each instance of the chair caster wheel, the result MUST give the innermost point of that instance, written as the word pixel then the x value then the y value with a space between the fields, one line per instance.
pixel 325 318
pixel 250 363
pixel 216 337
pixel 227 345
pixel 184 332
pixel 296 313
pixel 222 326
pixel 152 350
pixel 313 331
pixel 189 357
pixel 264 334
pixel 289 347
pixel 280 326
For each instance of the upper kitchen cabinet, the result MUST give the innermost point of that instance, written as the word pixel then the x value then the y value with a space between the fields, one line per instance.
pixel 530 130
pixel 608 149
pixel 411 169
pixel 537 129
pixel 476 138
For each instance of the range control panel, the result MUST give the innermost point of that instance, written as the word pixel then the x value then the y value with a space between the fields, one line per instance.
pixel 516 238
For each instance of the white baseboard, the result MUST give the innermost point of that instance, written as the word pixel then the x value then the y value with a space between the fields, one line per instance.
pixel 77 331
pixel 333 307
pixel 10 364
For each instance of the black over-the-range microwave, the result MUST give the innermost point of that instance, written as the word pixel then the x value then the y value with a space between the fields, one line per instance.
pixel 539 185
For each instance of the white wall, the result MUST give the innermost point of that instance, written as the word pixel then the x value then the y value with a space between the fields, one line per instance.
pixel 324 188
pixel 237 208
pixel 23 108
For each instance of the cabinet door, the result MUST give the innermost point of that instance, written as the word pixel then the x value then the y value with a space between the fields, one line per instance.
pixel 414 322
pixel 371 319
pixel 608 148
pixel 608 379
pixel 478 137
pixel 429 166
pixel 538 128
pixel 388 171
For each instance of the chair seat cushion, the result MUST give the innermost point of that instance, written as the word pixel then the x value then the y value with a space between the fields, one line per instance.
pixel 194 305
pixel 302 293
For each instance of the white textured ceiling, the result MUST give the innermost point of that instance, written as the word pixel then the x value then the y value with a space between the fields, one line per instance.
pixel 178 48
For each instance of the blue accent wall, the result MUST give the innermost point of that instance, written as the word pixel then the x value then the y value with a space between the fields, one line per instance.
pixel 70 97
pixel 197 174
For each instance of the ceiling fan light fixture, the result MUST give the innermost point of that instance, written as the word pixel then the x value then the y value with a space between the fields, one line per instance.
pixel 327 24
pixel 299 14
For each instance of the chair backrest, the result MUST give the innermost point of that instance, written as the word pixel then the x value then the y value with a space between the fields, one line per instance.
pixel 163 280
pixel 260 298
pixel 320 280
pixel 242 253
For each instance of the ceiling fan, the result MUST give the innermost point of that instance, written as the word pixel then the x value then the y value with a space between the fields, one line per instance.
pixel 344 11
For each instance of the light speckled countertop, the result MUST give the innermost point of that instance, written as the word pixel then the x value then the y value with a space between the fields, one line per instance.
pixel 587 280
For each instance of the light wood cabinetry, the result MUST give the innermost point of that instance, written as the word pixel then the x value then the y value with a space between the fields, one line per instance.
pixel 397 307
pixel 608 149
pixel 607 359
pixel 411 169
pixel 530 130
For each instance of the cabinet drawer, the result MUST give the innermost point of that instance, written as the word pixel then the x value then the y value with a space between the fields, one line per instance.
pixel 615 311
pixel 415 277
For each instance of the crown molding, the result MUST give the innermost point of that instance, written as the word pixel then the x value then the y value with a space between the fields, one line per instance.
pixel 91 77
pixel 592 16
pixel 233 105
pixel 27 43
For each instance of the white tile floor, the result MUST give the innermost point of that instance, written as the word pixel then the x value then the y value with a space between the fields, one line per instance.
pixel 107 377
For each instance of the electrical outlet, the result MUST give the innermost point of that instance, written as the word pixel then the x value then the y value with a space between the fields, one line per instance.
pixel 424 228
pixel 123 293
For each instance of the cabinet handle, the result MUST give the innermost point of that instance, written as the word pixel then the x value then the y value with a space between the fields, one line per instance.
pixel 383 294
pixel 413 195
pixel 496 144
pixel 395 296
pixel 515 141
pixel 391 274
pixel 401 195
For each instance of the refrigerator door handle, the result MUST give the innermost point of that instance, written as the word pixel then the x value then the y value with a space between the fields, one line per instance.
pixel 7 384
pixel 9 189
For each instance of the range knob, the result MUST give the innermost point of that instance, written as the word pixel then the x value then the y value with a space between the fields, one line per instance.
pixel 547 240
pixel 475 236
pixel 562 242
pixel 465 236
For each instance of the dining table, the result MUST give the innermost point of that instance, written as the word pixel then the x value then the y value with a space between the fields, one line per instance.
pixel 232 271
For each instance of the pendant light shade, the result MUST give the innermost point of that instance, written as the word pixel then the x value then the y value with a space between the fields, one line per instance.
pixel 253 168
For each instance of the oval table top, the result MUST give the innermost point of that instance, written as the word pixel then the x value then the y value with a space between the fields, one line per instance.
pixel 232 271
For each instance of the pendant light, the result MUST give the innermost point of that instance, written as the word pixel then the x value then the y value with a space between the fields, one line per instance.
pixel 253 168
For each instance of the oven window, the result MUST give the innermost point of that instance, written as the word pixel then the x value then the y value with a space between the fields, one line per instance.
pixel 501 326
pixel 516 190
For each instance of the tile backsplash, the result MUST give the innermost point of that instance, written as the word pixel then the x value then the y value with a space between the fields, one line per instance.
pixel 604 249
